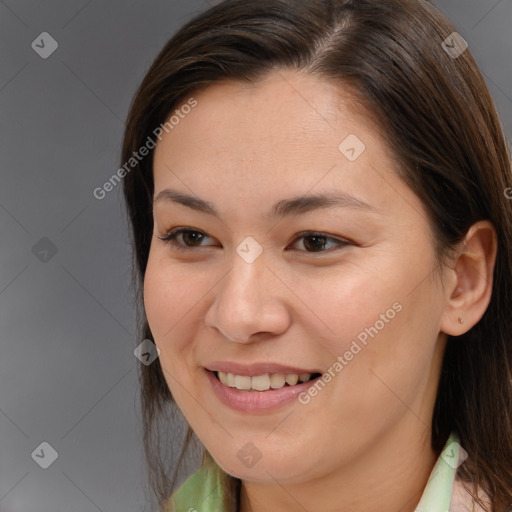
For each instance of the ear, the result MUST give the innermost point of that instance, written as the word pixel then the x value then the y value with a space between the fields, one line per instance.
pixel 470 288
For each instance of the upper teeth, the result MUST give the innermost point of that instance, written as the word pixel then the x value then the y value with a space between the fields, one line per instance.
pixel 262 382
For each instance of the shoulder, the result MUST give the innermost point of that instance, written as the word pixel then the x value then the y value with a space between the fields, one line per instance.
pixel 463 501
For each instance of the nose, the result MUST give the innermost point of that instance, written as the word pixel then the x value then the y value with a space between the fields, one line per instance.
pixel 250 302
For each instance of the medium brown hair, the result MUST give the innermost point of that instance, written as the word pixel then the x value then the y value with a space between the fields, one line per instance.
pixel 444 131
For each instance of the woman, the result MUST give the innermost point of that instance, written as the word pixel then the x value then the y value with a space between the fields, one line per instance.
pixel 323 246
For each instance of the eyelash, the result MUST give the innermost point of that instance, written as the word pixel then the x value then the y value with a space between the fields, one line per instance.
pixel 170 239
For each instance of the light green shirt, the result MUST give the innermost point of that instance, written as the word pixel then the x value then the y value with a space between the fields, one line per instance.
pixel 202 492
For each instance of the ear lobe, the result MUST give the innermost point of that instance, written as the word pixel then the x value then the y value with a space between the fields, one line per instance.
pixel 470 294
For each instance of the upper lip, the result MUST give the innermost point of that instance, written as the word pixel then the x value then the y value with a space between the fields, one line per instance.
pixel 254 369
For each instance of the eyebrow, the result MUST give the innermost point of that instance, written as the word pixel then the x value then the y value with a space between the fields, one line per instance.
pixel 285 207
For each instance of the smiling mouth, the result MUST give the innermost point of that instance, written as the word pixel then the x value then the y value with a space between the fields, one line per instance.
pixel 264 382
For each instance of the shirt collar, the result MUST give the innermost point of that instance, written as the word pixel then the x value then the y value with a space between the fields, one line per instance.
pixel 437 494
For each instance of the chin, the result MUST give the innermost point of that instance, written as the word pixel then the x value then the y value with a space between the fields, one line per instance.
pixel 282 469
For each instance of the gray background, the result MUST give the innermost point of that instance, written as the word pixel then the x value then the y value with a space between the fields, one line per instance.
pixel 68 375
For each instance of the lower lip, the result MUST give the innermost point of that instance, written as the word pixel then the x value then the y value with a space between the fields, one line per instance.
pixel 257 401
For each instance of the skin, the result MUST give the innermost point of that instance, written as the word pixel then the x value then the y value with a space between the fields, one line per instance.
pixel 363 443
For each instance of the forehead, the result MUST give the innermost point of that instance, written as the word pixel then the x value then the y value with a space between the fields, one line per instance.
pixel 286 132
pixel 300 103
pixel 287 114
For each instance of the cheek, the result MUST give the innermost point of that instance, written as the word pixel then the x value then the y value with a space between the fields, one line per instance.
pixel 351 300
pixel 169 295
pixel 165 307
pixel 393 366
pixel 373 319
pixel 155 303
pixel 166 303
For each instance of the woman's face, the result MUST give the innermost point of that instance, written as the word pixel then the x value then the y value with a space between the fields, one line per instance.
pixel 354 298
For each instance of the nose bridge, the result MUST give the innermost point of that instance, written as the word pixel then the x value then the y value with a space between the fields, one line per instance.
pixel 245 283
pixel 243 304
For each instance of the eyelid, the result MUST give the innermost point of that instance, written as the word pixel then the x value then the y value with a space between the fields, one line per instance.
pixel 340 242
pixel 170 238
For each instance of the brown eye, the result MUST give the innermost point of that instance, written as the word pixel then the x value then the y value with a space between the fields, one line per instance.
pixel 188 239
pixel 184 239
pixel 317 242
